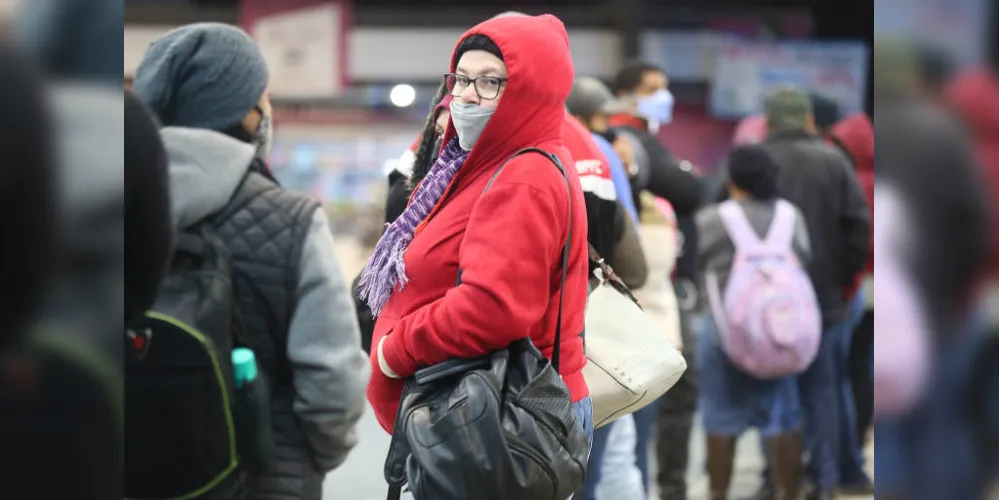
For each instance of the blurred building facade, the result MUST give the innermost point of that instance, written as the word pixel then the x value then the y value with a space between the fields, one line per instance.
pixel 335 64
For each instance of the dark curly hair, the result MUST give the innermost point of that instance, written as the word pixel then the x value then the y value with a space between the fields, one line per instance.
pixel 428 141
pixel 752 169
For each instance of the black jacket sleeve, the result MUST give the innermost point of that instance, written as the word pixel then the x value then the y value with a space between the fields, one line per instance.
pixel 603 218
pixel 855 222
pixel 670 178
pixel 398 196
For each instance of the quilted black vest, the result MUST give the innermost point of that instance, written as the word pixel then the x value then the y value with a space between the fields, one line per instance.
pixel 265 226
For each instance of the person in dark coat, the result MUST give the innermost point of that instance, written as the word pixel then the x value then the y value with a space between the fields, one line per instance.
pixel 821 182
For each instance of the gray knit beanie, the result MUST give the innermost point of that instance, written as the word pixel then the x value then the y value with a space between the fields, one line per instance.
pixel 207 75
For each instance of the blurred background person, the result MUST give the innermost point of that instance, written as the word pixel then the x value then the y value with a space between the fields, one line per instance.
pixel 647 103
pixel 820 181
pixel 925 158
pixel 731 401
pixel 613 471
pixel 591 104
pixel 974 95
pixel 76 49
pixel 854 134
pixel 855 139
pixel 77 350
pixel 45 390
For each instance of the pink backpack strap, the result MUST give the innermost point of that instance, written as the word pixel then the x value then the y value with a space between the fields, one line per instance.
pixel 715 302
pixel 781 233
pixel 737 225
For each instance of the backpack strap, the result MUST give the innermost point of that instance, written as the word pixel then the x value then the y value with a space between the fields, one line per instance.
pixel 781 233
pixel 738 227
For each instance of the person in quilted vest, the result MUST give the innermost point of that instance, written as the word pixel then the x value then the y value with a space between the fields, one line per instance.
pixel 208 85
pixel 731 401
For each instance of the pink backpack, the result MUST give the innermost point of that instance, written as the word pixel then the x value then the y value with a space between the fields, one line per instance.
pixel 901 333
pixel 768 317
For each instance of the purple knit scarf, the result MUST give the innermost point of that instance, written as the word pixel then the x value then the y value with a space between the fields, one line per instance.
pixel 386 269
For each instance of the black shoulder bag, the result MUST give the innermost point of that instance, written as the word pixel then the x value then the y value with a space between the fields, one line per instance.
pixel 498 427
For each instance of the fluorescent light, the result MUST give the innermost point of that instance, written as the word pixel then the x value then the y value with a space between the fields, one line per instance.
pixel 402 95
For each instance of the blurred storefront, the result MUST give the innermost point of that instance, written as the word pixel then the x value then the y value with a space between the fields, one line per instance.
pixel 352 80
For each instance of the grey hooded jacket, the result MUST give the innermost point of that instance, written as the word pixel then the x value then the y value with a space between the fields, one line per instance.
pixel 329 370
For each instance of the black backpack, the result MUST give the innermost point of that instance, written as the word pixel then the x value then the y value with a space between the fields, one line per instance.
pixel 498 427
pixel 186 426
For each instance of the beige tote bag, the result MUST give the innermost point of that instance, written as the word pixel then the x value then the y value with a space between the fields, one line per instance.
pixel 631 361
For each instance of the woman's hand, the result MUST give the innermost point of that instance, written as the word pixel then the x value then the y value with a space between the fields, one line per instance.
pixel 382 363
pixel 623 149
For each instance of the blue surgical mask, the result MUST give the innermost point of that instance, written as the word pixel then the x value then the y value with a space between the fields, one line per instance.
pixel 657 107
pixel 469 121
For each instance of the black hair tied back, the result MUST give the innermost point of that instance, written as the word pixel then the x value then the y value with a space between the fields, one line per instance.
pixel 425 152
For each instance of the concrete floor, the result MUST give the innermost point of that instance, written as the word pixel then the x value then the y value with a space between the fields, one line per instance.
pixel 360 478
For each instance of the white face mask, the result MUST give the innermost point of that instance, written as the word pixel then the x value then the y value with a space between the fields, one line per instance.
pixel 263 137
pixel 469 121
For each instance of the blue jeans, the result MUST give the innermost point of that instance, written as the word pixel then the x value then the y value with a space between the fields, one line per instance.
pixel 929 453
pixel 829 410
pixel 612 465
pixel 645 425
pixel 594 469
pixel 821 392
pixel 851 455
pixel 583 410
pixel 584 413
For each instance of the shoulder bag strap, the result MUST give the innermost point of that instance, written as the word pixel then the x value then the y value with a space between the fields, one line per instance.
pixel 738 227
pixel 780 236
pixel 557 348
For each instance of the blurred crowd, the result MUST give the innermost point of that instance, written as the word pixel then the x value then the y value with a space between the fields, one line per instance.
pixel 189 235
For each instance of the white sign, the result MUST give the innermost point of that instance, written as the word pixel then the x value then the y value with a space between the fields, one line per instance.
pixel 748 71
pixel 957 26
pixel 303 50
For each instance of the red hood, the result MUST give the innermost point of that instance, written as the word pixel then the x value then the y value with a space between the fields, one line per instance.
pixel 750 130
pixel 975 98
pixel 856 134
pixel 532 107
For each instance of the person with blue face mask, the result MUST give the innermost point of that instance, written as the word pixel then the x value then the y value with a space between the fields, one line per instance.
pixel 643 90
pixel 646 87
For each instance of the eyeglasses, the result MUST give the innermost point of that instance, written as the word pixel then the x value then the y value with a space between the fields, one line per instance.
pixel 486 87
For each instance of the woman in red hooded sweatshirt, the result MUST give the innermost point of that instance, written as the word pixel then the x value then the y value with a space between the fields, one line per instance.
pixel 509 78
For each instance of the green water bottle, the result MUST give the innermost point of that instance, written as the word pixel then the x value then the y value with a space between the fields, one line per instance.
pixel 244 366
pixel 252 412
